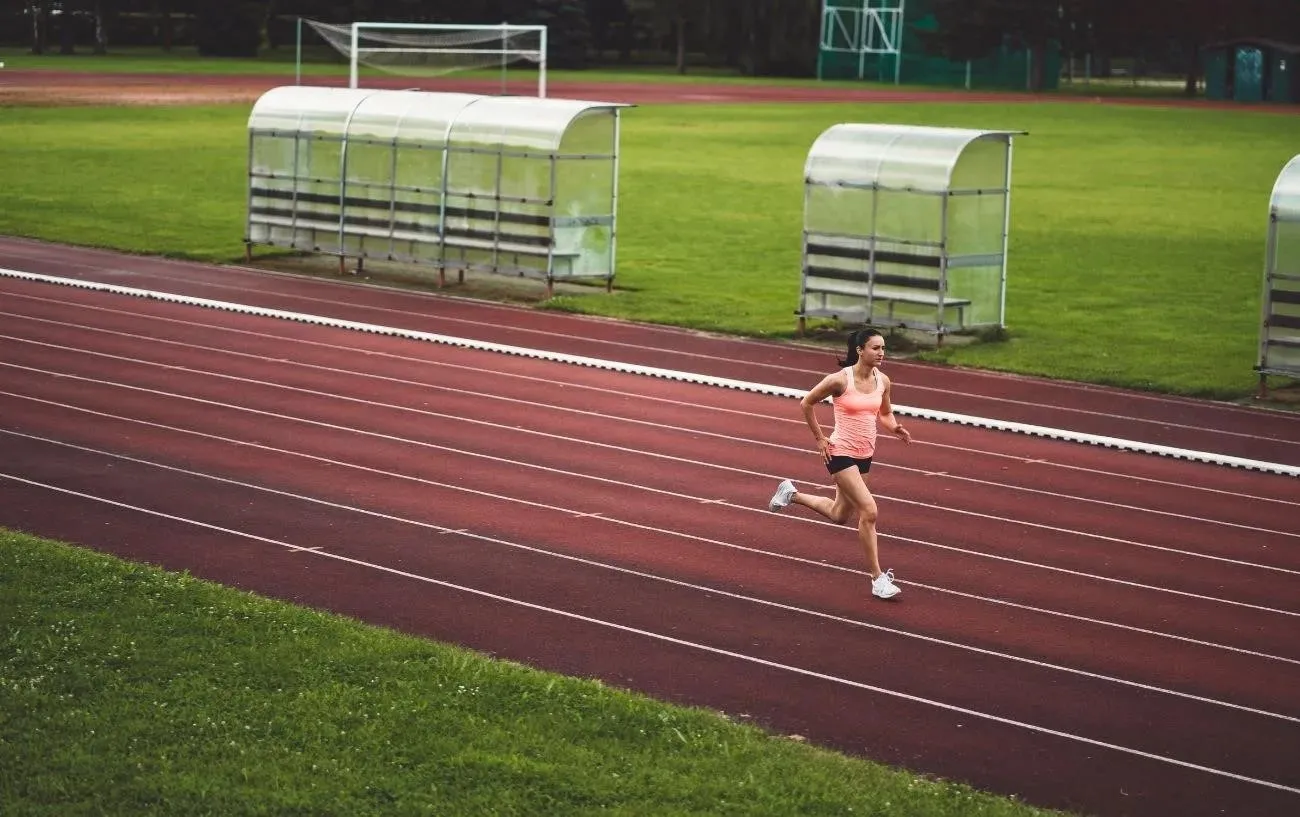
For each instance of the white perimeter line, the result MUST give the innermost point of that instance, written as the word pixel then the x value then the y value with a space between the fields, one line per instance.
pixel 821 676
pixel 424 361
pixel 666 374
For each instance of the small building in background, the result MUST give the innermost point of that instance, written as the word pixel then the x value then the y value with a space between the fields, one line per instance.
pixel 1252 69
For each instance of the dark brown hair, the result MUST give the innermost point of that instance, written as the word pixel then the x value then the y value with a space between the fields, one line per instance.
pixel 856 341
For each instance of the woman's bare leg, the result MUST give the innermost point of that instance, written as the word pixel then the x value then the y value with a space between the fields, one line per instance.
pixel 838 510
pixel 850 485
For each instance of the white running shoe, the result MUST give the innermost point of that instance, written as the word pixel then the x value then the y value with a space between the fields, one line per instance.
pixel 784 493
pixel 883 586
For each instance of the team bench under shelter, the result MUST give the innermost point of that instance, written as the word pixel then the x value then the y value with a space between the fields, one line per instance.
pixel 522 186
pixel 1279 336
pixel 906 227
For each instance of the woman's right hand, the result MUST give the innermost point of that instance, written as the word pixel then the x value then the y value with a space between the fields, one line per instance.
pixel 824 446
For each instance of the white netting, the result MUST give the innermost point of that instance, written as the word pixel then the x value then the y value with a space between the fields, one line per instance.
pixel 435 50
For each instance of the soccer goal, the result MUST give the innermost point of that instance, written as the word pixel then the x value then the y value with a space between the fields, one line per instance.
pixel 434 49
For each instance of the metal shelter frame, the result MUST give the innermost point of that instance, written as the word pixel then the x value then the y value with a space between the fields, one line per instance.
pixel 907 227
pixel 524 186
pixel 1279 334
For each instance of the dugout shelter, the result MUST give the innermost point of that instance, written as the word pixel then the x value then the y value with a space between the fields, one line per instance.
pixel 1279 336
pixel 906 227
pixel 522 186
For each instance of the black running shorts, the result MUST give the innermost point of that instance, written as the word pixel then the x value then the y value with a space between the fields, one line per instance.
pixel 837 464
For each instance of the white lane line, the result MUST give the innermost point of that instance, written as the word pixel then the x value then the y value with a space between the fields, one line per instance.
pixel 507 498
pixel 1114 475
pixel 675 332
pixel 808 562
pixel 813 374
pixel 636 631
pixel 669 374
pixel 712 591
pixel 532 405
pixel 599 416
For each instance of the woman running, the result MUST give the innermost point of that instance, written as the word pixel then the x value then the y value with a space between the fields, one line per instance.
pixel 860 395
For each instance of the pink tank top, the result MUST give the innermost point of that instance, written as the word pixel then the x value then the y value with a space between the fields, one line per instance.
pixel 855 418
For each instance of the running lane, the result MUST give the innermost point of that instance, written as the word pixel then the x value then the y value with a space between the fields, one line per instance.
pixel 1085 628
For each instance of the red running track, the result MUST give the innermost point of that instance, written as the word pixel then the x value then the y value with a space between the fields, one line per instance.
pixel 1085 628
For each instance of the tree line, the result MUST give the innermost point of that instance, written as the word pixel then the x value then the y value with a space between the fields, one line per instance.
pixel 756 37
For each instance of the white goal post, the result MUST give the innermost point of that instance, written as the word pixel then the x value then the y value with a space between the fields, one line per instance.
pixel 434 49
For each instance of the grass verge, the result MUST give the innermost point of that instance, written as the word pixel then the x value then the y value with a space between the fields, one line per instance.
pixel 126 690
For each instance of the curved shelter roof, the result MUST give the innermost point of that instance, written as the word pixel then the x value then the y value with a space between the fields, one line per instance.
pixel 1285 201
pixel 906 157
pixel 529 123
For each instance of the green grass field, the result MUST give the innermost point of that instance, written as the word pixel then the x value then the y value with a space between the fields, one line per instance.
pixel 1137 232
pixel 128 690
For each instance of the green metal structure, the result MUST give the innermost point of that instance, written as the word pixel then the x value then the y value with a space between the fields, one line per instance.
pixel 880 41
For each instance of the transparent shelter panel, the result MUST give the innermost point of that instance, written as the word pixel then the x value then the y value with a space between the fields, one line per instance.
pixel 370 163
pixel 526 177
pixel 584 187
pixel 912 217
pixel 1286 251
pixel 981 166
pixel 976 224
pixel 982 286
pixel 584 218
pixel 1283 359
pixel 280 236
pixel 838 210
pixel 272 155
pixel 592 134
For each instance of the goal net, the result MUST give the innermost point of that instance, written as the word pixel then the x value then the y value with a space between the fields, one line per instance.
pixel 436 49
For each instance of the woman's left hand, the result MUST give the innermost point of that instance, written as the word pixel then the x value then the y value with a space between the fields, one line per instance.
pixel 903 434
